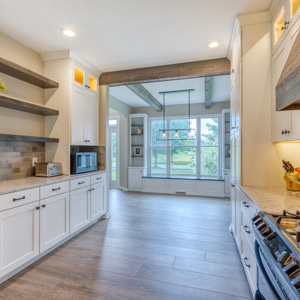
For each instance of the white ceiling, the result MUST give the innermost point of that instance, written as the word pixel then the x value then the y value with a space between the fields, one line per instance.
pixel 118 34
pixel 221 91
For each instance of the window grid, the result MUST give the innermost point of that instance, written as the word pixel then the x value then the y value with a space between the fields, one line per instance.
pixel 198 148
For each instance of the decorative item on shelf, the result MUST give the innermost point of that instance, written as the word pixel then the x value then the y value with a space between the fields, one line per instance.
pixel 229 151
pixel 2 86
pixel 176 133
pixel 139 131
pixel 137 151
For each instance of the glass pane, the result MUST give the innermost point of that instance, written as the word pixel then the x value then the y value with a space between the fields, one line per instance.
pixel 155 126
pixel 210 161
pixel 93 83
pixel 209 132
pixel 79 74
pixel 183 124
pixel 159 160
pixel 296 4
pixel 113 156
pixel 279 24
pixel 183 160
pixel 113 122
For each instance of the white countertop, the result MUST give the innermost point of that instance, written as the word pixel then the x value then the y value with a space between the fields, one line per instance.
pixel 15 185
pixel 274 199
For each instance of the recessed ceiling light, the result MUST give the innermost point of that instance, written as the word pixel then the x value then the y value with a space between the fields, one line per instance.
pixel 213 44
pixel 68 32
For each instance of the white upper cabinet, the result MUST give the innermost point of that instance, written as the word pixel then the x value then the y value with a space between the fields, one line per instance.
pixel 85 118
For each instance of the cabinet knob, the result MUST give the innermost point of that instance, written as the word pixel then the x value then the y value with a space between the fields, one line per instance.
pixel 233 70
pixel 44 205
pixel 245 262
pixel 86 85
pixel 285 26
pixel 245 204
pixel 38 208
pixel 285 132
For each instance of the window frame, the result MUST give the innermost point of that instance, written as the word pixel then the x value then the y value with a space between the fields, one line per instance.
pixel 198 146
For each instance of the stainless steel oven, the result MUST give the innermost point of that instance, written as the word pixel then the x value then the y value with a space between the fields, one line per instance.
pixel 82 162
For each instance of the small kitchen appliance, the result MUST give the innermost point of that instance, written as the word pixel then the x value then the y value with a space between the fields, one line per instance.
pixel 82 162
pixel 48 169
pixel 277 251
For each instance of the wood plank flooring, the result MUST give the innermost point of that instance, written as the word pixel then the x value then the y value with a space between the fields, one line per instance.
pixel 158 247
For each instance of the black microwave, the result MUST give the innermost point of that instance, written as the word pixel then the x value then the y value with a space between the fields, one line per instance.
pixel 82 162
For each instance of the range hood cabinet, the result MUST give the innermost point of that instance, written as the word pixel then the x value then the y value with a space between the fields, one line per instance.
pixel 288 86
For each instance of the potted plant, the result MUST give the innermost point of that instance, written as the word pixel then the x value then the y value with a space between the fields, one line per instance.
pixel 2 86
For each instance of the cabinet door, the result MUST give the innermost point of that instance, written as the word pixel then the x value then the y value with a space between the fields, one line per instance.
pixel 78 116
pixel 238 217
pixel 79 209
pixel 281 119
pixel 19 236
pixel 233 159
pixel 92 119
pixel 98 196
pixel 238 101
pixel 54 220
pixel 135 178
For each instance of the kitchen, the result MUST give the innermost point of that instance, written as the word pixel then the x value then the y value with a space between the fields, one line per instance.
pixel 258 47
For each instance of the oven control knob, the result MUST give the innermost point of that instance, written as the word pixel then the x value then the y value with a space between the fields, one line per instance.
pixel 296 283
pixel 266 231
pixel 291 268
pixel 255 218
pixel 261 227
pixel 284 258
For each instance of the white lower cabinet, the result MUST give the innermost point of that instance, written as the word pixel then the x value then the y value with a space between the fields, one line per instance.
pixel 79 209
pixel 135 178
pixel 19 236
pixel 54 220
pixel 98 192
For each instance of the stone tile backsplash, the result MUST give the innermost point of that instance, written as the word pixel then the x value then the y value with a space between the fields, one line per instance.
pixel 16 159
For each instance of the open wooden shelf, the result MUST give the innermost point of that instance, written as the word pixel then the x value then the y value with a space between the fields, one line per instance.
pixel 26 138
pixel 16 104
pixel 17 71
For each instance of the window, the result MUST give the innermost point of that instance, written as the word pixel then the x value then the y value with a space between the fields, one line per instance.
pixel 199 157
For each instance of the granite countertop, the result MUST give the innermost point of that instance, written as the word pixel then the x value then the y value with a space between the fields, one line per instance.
pixel 15 185
pixel 274 199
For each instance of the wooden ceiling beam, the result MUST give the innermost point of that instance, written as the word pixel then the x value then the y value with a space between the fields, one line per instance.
pixel 209 81
pixel 204 68
pixel 139 90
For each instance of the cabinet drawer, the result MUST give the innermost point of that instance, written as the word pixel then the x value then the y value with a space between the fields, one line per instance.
pixel 80 182
pixel 247 227
pixel 54 189
pixel 248 206
pixel 98 178
pixel 15 199
pixel 249 262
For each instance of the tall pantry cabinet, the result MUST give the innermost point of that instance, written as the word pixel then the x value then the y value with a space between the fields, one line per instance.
pixel 250 56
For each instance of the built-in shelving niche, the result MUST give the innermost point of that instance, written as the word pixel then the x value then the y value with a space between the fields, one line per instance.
pixel 14 70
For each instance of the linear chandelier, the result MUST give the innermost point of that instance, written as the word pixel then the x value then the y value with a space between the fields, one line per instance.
pixel 176 134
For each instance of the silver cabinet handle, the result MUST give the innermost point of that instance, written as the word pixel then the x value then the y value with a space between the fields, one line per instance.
pixel 245 204
pixel 17 199
pixel 245 262
pixel 57 189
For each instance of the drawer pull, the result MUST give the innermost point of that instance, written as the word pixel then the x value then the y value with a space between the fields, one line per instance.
pixel 37 208
pixel 16 199
pixel 44 205
pixel 57 189
pixel 90 190
pixel 81 182
pixel 245 262
pixel 246 229
pixel 245 204
pixel 98 178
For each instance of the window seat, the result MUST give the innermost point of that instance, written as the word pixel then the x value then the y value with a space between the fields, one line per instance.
pixel 183 177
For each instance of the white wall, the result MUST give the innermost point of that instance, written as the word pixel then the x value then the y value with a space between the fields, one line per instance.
pixel 118 108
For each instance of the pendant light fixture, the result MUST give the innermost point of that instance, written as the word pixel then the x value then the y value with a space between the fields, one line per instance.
pixel 180 134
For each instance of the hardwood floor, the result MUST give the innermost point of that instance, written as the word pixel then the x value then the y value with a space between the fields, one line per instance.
pixel 158 247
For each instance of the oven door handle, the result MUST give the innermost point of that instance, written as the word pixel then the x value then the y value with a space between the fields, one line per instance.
pixel 263 270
